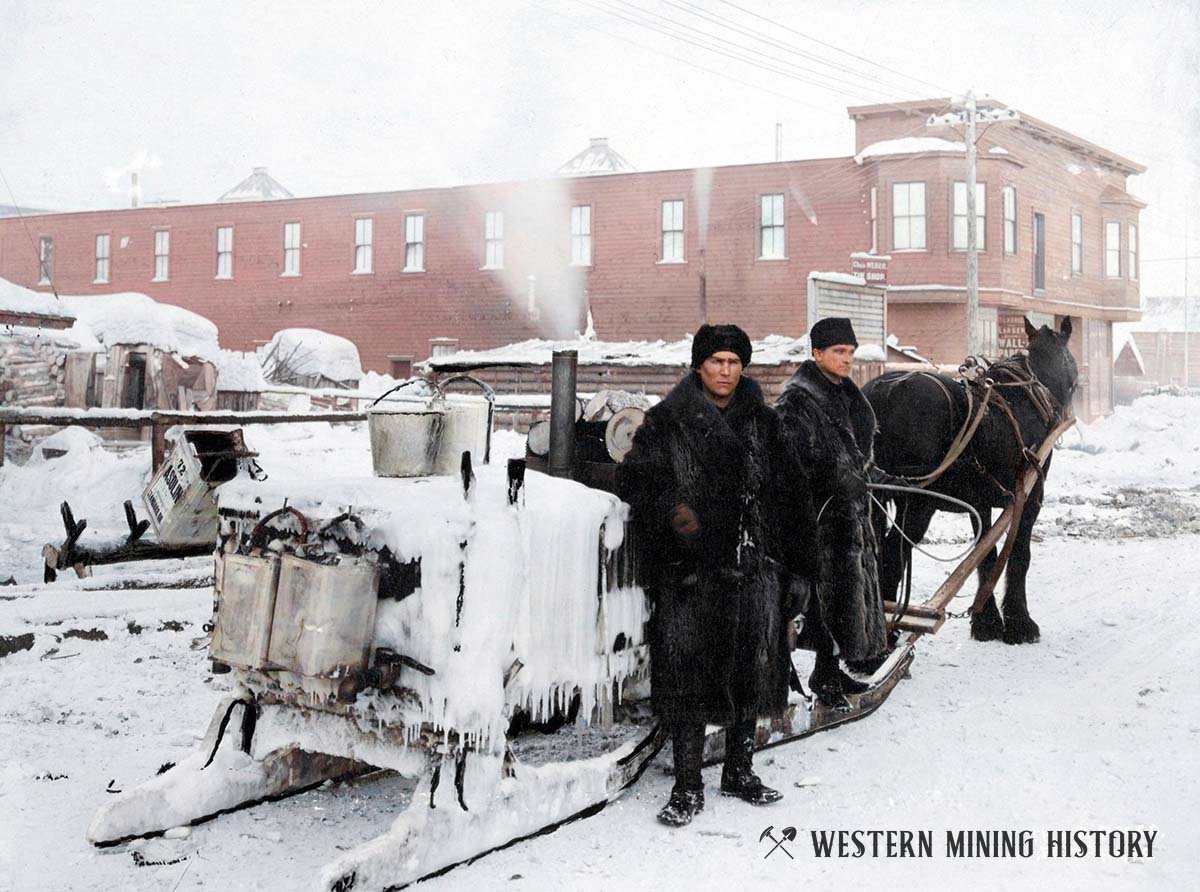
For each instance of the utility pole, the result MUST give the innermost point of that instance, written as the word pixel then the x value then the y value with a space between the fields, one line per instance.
pixel 1187 354
pixel 970 116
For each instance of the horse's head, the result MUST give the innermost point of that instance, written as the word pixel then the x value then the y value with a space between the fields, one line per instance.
pixel 1051 360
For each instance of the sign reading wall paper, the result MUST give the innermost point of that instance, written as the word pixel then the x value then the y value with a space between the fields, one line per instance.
pixel 852 297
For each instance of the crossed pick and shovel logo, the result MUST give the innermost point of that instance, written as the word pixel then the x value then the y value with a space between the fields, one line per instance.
pixel 788 834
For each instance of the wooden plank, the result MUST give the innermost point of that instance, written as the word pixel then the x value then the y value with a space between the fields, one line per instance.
pixel 948 589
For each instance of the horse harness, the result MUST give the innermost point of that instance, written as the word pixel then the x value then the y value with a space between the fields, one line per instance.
pixel 980 386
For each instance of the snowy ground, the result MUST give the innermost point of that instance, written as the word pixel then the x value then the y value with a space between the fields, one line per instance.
pixel 1093 728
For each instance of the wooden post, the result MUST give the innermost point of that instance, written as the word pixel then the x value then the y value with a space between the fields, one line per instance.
pixel 158 444
pixel 2 432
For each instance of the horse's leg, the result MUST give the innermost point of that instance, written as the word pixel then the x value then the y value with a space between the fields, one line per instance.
pixel 1019 628
pixel 986 625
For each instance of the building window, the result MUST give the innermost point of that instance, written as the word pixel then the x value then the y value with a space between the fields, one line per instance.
pixel 363 238
pixel 103 257
pixel 291 249
pixel 162 255
pixel 1010 220
pixel 1039 252
pixel 1112 250
pixel 771 228
pixel 1133 249
pixel 672 231
pixel 960 216
pixel 874 220
pixel 224 252
pixel 414 243
pixel 908 216
pixel 45 260
pixel 493 240
pixel 1076 243
pixel 581 235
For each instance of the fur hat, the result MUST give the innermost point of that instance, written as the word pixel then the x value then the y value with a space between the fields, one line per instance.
pixel 830 331
pixel 712 339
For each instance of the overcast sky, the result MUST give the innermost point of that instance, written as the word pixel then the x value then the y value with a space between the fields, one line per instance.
pixel 348 96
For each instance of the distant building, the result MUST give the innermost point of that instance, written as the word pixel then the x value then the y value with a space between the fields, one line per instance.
pixel 259 186
pixel 1152 352
pixel 646 255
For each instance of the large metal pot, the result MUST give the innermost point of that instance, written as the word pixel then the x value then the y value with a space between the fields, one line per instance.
pixel 419 436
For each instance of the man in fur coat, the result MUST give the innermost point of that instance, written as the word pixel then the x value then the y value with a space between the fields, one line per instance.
pixel 830 421
pixel 713 487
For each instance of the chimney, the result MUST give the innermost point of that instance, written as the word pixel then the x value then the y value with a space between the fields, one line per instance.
pixel 135 191
pixel 598 142
pixel 779 142
pixel 259 170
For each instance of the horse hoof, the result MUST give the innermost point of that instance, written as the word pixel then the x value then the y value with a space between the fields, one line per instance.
pixel 987 630
pixel 1021 631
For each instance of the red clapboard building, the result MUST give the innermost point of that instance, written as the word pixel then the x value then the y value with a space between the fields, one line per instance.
pixel 641 255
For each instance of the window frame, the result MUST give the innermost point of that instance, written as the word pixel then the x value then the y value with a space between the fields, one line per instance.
pixel 874 214
pixel 1112 253
pixel 675 236
pixel 1039 252
pixel 165 257
pixel 1131 250
pixel 227 253
pixel 581 235
pixel 777 225
pixel 493 240
pixel 364 246
pixel 45 259
pixel 292 251
pixel 103 273
pixel 414 243
pixel 1076 243
pixel 980 216
pixel 910 217
pixel 1009 205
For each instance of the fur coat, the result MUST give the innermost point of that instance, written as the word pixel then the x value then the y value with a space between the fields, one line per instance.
pixel 834 427
pixel 720 600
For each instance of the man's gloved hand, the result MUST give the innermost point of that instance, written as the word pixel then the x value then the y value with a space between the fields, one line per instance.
pixel 684 522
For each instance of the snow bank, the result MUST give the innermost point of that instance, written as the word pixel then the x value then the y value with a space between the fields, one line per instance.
pixel 133 318
pixel 311 352
pixel 909 145
pixel 240 372
pixel 837 278
pixel 16 298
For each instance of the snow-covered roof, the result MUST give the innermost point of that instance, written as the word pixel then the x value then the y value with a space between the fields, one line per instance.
pixel 909 145
pixel 1163 314
pixel 259 186
pixel 998 150
pixel 133 318
pixel 838 278
pixel 598 158
pixel 309 351
pixel 1131 345
pixel 771 350
pixel 239 372
pixel 16 298
pixel 893 343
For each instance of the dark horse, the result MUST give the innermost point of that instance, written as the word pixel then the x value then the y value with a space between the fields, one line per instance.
pixel 919 417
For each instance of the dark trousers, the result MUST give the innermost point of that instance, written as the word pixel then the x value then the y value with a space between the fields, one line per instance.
pixel 687 740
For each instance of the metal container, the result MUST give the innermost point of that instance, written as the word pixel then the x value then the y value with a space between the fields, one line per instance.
pixel 245 608
pixel 324 623
pixel 419 436
pixel 245 598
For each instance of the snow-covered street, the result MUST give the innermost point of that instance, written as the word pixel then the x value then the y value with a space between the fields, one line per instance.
pixel 1093 728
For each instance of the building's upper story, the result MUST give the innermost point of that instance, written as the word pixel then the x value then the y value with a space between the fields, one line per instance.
pixel 1056 224
pixel 649 254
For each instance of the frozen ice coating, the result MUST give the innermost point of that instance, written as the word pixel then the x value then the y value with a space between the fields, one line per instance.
pixel 499 583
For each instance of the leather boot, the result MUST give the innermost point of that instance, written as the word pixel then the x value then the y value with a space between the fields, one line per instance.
pixel 826 683
pixel 737 778
pixel 687 796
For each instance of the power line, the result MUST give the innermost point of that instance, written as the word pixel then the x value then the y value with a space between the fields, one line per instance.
pixel 833 47
pixel 729 24
pixel 737 57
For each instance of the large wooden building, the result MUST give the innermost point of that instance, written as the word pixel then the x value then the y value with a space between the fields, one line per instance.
pixel 643 255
